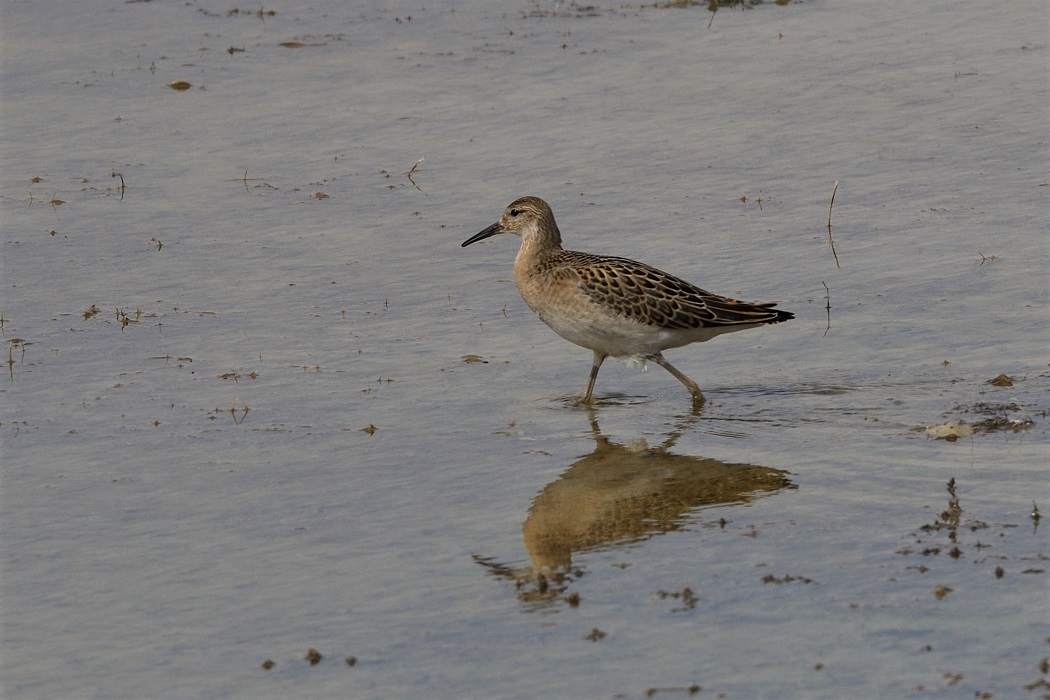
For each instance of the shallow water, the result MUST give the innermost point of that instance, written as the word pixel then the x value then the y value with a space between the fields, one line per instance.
pixel 267 439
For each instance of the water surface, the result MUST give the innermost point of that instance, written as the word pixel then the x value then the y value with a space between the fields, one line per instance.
pixel 238 423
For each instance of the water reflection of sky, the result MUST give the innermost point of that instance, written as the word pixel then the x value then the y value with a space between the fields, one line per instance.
pixel 188 484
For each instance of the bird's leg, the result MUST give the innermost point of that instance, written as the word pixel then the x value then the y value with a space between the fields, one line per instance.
pixel 658 358
pixel 599 358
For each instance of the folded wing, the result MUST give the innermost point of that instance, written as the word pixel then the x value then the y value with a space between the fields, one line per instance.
pixel 648 295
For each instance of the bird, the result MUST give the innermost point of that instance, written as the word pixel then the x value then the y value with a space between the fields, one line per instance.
pixel 615 307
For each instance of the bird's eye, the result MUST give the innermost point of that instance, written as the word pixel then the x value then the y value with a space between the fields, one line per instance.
pixel 515 212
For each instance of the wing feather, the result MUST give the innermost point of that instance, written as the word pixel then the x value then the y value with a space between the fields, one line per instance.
pixel 651 296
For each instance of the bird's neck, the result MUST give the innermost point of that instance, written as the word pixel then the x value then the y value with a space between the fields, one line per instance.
pixel 537 248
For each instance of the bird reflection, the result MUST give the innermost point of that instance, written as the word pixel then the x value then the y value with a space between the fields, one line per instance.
pixel 621 494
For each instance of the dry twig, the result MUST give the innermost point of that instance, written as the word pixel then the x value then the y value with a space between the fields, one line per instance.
pixel 412 170
pixel 831 241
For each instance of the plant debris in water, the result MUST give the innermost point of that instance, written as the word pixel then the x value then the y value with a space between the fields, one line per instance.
pixel 990 546
pixel 1001 380
pixel 995 418
pixel 952 523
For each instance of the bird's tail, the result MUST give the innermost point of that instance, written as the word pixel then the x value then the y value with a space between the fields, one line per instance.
pixel 733 312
